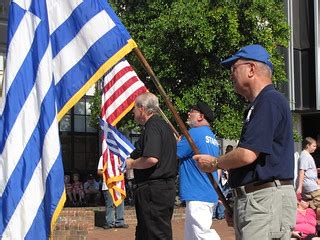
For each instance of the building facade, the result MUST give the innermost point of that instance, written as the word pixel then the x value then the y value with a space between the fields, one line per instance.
pixel 80 142
pixel 303 65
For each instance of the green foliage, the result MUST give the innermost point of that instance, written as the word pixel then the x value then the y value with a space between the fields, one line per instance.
pixel 296 136
pixel 229 121
pixel 185 40
pixel 95 107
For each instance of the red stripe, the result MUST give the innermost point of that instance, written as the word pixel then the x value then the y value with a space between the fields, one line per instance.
pixel 117 76
pixel 117 93
pixel 118 111
pixel 105 159
pixel 113 164
pixel 126 104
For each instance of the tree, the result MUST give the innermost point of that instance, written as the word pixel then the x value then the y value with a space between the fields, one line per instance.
pixel 185 40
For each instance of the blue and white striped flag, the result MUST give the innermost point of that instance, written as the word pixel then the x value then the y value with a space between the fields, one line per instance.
pixel 117 143
pixel 56 51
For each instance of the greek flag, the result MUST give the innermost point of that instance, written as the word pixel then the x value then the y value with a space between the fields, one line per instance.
pixel 56 51
pixel 117 143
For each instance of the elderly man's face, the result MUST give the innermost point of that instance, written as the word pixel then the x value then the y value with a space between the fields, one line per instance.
pixel 138 114
pixel 193 116
pixel 239 75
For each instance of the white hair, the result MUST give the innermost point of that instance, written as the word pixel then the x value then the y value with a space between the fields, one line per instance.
pixel 148 101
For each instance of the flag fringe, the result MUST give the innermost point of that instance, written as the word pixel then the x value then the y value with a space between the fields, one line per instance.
pixel 119 190
pixel 57 213
pixel 110 180
pixel 102 70
pixel 128 109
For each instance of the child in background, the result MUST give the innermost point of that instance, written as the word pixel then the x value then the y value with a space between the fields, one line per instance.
pixel 77 189
pixel 68 187
pixel 305 221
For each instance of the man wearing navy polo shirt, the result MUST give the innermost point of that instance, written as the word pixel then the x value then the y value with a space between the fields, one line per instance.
pixel 262 166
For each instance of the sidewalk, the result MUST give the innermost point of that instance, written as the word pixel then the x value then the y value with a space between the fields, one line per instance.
pixel 225 232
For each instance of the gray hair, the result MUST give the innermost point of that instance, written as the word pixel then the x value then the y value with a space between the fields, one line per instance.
pixel 148 101
pixel 265 69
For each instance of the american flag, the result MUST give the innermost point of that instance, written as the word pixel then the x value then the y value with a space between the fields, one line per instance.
pixel 56 51
pixel 121 86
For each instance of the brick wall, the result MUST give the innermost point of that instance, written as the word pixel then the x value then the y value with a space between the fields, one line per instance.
pixel 76 223
pixel 130 215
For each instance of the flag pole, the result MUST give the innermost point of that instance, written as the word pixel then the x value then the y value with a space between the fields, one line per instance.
pixel 176 133
pixel 179 121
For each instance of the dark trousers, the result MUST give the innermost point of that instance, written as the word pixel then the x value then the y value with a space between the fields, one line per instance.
pixel 154 202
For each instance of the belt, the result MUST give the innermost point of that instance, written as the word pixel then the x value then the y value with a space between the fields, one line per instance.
pixel 152 181
pixel 255 186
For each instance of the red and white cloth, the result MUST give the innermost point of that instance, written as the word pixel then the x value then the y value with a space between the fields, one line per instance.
pixel 121 86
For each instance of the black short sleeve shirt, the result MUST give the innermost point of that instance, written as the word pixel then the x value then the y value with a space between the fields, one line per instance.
pixel 157 140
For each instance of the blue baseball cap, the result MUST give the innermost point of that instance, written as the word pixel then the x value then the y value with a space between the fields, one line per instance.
pixel 253 52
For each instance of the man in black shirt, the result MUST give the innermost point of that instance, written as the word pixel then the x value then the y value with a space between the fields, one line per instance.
pixel 155 169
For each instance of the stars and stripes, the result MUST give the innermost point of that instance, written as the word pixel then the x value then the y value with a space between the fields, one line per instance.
pixel 56 51
pixel 121 86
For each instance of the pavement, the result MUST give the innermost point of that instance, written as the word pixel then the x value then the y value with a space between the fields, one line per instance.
pixel 225 232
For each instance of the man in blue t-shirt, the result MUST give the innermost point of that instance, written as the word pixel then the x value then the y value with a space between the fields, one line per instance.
pixel 261 168
pixel 195 187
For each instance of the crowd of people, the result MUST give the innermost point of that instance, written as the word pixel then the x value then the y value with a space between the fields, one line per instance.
pixel 308 192
pixel 256 175
pixel 81 194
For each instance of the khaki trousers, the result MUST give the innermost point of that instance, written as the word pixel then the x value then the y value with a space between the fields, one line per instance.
pixel 265 214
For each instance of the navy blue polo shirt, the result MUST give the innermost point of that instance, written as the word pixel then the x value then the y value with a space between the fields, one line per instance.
pixel 267 129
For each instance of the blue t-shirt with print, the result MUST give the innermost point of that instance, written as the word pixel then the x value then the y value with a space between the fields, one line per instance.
pixel 195 184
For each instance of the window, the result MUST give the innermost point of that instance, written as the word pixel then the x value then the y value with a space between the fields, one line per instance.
pixel 79 141
pixel 65 123
pixel 78 118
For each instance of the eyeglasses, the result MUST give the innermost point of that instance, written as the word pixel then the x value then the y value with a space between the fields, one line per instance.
pixel 234 67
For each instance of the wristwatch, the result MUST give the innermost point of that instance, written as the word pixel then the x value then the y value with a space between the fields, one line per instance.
pixel 214 163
